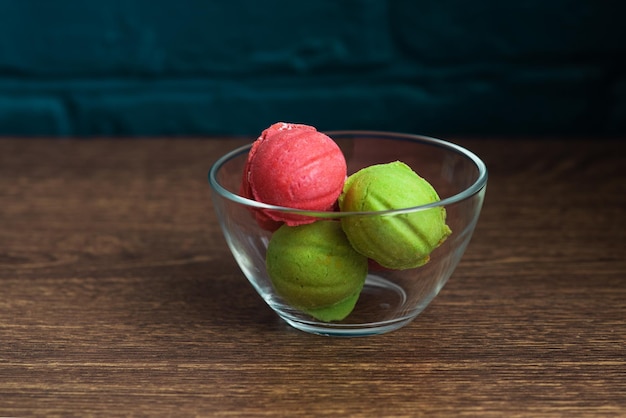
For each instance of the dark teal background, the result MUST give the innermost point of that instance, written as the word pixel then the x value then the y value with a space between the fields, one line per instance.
pixel 191 67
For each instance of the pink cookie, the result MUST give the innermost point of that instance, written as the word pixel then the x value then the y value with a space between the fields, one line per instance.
pixel 294 166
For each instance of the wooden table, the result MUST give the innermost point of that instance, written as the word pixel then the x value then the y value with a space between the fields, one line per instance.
pixel 118 295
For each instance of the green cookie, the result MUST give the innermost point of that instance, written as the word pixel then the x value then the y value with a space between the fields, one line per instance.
pixel 399 241
pixel 315 269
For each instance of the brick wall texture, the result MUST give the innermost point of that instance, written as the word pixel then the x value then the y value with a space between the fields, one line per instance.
pixel 209 67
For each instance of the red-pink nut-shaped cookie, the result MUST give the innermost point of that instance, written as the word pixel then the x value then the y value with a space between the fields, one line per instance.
pixel 295 166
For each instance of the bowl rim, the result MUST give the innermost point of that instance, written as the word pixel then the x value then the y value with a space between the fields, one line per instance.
pixel 474 188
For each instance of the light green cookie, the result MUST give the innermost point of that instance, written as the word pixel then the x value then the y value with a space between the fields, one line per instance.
pixel 316 270
pixel 396 241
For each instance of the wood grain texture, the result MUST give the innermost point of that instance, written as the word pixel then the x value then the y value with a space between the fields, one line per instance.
pixel 119 297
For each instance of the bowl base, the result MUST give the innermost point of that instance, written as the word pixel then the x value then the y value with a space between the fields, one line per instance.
pixel 378 295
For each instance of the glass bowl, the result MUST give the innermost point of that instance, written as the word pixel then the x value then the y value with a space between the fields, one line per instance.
pixel 390 299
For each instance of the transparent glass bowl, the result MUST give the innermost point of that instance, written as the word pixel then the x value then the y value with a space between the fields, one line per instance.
pixel 390 299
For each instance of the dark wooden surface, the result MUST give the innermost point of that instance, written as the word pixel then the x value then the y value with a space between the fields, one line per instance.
pixel 119 297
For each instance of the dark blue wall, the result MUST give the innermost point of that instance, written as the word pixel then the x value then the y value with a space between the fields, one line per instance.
pixel 187 67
